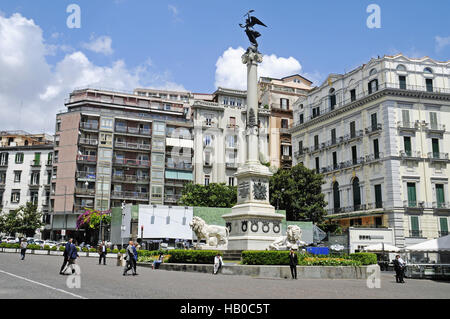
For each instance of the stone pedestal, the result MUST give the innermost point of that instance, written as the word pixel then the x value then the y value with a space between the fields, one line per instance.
pixel 253 223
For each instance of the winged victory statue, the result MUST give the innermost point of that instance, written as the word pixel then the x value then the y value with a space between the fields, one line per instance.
pixel 250 22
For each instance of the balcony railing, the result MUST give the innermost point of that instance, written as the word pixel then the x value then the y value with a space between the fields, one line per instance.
pixel 374 157
pixel 129 195
pixel 407 125
pixel 85 191
pixel 35 163
pixel 286 157
pixel 355 208
pixel 180 166
pixel 438 156
pixel 130 178
pixel 133 130
pixel 86 175
pixel 415 233
pixel 172 198
pixel 373 128
pixel 89 125
pixel 410 154
pixel 131 162
pixel 133 146
pixel 435 128
pixel 413 204
pixel 231 165
pixel 87 158
pixel 441 205
pixel 87 141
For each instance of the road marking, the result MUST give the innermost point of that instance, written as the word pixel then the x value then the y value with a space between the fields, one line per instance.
pixel 41 284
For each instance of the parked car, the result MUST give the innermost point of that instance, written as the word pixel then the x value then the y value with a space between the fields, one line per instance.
pixel 39 242
pixel 10 240
pixel 50 243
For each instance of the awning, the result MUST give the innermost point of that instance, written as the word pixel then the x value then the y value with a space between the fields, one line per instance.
pixel 433 245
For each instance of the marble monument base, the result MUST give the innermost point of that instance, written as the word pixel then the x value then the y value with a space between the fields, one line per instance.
pixel 253 226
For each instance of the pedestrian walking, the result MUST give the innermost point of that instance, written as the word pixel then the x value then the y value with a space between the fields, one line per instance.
pixel 73 255
pixel 23 248
pixel 130 259
pixel 218 262
pixel 66 256
pixel 293 262
pixel 102 251
pixel 399 267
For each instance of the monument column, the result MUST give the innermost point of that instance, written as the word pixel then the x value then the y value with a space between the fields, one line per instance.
pixel 253 223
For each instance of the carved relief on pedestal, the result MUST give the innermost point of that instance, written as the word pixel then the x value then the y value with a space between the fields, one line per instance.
pixel 244 189
pixel 259 190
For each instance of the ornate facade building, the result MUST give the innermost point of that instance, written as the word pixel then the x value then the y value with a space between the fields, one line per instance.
pixel 380 135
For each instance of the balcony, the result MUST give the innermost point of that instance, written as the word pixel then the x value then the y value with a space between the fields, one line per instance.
pixel 133 130
pixel 131 162
pixel 413 205
pixel 129 195
pixel 49 163
pixel 284 130
pixel 373 129
pixel 438 157
pixel 209 124
pixel 301 153
pixel 435 128
pixel 231 165
pixel 356 208
pixel 232 146
pixel 33 186
pixel 232 126
pixel 131 179
pixel 374 157
pixel 90 159
pixel 443 207
pixel 443 233
pixel 207 164
pixel 173 199
pixel 89 142
pixel 89 126
pixel 132 146
pixel 408 126
pixel 415 234
pixel 81 208
pixel 174 183
pixel 4 164
pixel 179 166
pixel 84 191
pixel 35 163
pixel 410 155
pixel 86 175
pixel 286 157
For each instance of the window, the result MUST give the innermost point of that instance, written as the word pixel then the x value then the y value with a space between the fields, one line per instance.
pixel 315 112
pixel 415 229
pixel 317 165
pixel 443 223
pixel 405 118
pixel 34 197
pixel 207 140
pixel 284 104
pixel 231 181
pixel 207 158
pixel 208 120
pixel 58 125
pixel 316 142
pixel 374 121
pixel 157 159
pixel 335 164
pixel 407 145
pixel 433 121
pixel 353 95
pixel 352 129
pixel 435 147
pixel 19 158
pixel 225 100
pixel 429 84
pixel 286 150
pixel 376 149
pixel 428 71
pixel 4 159
pixel 333 136
pixel 300 147
pixel 412 200
pixel 232 121
pixel 284 123
pixel 378 197
pixel 105 139
pixel 356 194
pixel 301 119
pixel 440 197
pixel 336 197
pixel 402 81
pixel 207 180
pixel 238 102
pixel 37 159
pixel 401 67
pixel 35 178
pixel 17 175
pixel 156 192
pixel 354 155
pixel 15 196
pixel 159 128
pixel 231 141
pixel 332 99
pixel 373 72
pixel 232 101
pixel 106 123
pixel 373 86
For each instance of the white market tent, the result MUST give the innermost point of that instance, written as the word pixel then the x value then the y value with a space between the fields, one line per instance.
pixel 433 245
pixel 379 247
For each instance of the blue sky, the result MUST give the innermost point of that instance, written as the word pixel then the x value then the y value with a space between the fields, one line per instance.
pixel 180 42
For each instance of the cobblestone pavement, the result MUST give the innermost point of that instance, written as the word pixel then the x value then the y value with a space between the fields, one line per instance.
pixel 38 277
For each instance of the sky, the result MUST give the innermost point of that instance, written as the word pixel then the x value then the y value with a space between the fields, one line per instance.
pixel 193 45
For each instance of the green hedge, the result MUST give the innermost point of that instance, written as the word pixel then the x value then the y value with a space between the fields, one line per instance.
pixel 54 248
pixel 34 247
pixel 266 257
pixel 150 253
pixel 365 258
pixel 62 248
pixel 92 250
pixel 5 245
pixel 192 256
pixel 328 261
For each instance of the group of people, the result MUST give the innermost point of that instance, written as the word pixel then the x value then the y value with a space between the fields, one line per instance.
pixel 70 256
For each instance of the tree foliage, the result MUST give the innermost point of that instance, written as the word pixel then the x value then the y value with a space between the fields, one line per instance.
pixel 25 220
pixel 212 195
pixel 91 219
pixel 298 191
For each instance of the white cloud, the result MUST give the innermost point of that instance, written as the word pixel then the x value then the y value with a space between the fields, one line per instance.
pixel 441 42
pixel 32 90
pixel 231 73
pixel 101 45
pixel 173 9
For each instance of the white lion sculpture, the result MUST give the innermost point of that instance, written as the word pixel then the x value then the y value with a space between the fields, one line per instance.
pixel 213 234
pixel 293 239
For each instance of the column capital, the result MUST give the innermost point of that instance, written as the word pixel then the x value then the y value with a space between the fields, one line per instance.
pixel 252 56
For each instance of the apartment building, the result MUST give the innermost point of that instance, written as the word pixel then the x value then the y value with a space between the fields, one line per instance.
pixel 279 96
pixel 25 172
pixel 22 138
pixel 379 134
pixel 220 135
pixel 113 148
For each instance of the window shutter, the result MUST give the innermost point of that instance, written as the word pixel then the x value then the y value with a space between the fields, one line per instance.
pixel 405 117
pixel 433 120
pixel 444 224
pixel 414 223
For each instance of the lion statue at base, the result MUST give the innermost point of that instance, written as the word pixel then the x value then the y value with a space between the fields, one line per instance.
pixel 293 239
pixel 213 234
